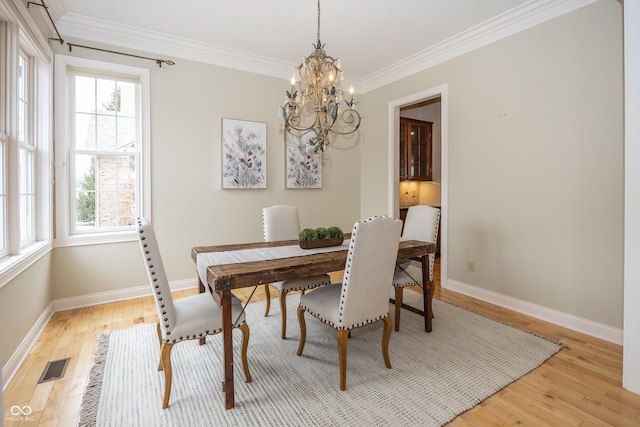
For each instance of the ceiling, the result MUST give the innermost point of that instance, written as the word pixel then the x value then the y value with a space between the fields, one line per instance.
pixel 372 39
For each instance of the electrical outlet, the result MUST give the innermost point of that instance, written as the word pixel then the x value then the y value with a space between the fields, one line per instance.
pixel 471 265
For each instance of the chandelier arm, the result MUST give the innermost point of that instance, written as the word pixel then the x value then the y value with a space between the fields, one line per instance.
pixel 311 127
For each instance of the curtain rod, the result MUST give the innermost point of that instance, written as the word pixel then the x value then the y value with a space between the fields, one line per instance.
pixel 46 8
pixel 157 61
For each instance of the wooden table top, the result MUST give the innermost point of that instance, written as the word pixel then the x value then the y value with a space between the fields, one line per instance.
pixel 240 275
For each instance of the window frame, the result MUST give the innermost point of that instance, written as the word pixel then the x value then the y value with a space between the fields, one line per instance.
pixel 65 197
pixel 17 39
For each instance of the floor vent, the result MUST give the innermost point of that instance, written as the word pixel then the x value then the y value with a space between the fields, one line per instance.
pixel 54 370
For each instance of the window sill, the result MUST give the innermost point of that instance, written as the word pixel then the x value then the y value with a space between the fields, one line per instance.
pixel 96 239
pixel 13 265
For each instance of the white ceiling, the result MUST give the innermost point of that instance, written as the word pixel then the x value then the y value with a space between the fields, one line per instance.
pixel 372 39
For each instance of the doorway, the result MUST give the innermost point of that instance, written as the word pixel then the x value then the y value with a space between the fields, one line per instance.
pixel 419 103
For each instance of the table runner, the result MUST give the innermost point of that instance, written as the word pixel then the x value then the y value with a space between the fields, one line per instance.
pixel 206 259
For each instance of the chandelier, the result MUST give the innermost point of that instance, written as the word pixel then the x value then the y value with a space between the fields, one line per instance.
pixel 312 109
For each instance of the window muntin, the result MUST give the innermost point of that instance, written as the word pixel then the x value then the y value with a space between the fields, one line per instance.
pixel 26 154
pixel 3 196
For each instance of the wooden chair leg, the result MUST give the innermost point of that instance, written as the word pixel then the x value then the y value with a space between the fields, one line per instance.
pixel 267 292
pixel 303 330
pixel 159 332
pixel 432 288
pixel 160 340
pixel 166 364
pixel 283 311
pixel 342 354
pixel 399 292
pixel 245 345
pixel 386 336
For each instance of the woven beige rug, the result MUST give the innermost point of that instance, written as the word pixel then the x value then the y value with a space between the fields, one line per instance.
pixel 434 376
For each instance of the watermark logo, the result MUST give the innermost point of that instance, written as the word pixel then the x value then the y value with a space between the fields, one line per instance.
pixel 25 410
pixel 21 413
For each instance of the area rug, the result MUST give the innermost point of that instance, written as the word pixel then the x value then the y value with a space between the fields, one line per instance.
pixel 434 376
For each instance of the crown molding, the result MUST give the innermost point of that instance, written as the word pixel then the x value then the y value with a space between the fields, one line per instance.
pixel 504 25
pixel 499 27
pixel 100 31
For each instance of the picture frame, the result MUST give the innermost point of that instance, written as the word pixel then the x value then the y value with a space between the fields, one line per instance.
pixel 303 165
pixel 244 154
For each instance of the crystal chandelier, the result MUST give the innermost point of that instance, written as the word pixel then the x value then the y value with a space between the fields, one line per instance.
pixel 312 109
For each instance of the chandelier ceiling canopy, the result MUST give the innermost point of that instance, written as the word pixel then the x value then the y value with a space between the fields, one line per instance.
pixel 312 110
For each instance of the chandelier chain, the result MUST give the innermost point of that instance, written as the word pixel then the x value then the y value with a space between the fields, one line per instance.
pixel 318 20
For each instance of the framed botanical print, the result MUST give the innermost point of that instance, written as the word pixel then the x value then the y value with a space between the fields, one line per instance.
pixel 244 154
pixel 304 166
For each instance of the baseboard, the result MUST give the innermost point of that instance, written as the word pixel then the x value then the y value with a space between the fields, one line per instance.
pixel 89 300
pixel 585 326
pixel 13 364
pixel 10 368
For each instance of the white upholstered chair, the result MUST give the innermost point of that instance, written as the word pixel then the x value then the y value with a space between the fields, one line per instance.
pixel 281 222
pixel 421 223
pixel 189 318
pixel 363 298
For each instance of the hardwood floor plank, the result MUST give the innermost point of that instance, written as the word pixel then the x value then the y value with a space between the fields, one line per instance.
pixel 596 412
pixel 512 415
pixel 520 397
pixel 479 416
pixel 54 404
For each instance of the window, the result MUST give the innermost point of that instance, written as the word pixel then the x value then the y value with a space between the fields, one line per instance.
pixel 25 142
pixel 102 151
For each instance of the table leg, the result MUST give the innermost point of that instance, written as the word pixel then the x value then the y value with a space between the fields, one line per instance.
pixel 201 289
pixel 227 345
pixel 426 293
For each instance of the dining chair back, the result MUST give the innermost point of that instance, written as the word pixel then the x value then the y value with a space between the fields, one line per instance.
pixel 281 222
pixel 369 268
pixel 363 297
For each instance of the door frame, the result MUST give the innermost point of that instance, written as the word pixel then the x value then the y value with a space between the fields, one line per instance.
pixel 394 156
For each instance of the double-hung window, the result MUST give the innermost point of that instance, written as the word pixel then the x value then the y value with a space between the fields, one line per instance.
pixel 102 150
pixel 25 146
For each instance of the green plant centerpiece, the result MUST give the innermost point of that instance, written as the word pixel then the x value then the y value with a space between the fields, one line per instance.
pixel 320 237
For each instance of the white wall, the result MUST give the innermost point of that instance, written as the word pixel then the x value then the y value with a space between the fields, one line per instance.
pixel 535 163
pixel 188 206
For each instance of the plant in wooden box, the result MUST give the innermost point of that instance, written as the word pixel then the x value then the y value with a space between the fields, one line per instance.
pixel 320 237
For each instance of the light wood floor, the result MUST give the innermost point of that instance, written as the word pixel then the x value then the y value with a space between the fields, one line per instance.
pixel 579 386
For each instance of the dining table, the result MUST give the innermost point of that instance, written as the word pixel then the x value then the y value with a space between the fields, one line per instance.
pixel 223 268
